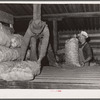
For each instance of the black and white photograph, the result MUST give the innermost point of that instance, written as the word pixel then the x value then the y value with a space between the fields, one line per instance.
pixel 49 46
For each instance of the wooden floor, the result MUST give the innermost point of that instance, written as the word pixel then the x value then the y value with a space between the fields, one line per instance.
pixel 59 78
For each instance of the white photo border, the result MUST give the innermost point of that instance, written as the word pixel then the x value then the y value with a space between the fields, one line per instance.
pixel 49 93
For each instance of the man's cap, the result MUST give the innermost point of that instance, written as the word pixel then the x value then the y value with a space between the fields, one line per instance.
pixel 84 34
pixel 37 26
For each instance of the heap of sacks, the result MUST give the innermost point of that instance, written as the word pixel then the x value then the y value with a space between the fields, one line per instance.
pixel 11 67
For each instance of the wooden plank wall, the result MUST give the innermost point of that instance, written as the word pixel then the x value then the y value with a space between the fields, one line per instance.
pixel 94 40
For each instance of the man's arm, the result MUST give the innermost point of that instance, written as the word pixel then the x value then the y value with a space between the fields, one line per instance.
pixel 25 43
pixel 44 44
pixel 87 60
pixel 89 53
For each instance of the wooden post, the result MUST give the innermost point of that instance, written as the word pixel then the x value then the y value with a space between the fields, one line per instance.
pixel 55 34
pixel 36 11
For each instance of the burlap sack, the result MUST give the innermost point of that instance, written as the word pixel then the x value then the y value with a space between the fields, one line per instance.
pixel 6 66
pixel 8 54
pixel 16 40
pixel 34 67
pixel 5 36
pixel 27 55
pixel 25 70
pixel 71 52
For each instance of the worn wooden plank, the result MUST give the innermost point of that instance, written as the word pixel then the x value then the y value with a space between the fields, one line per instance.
pixel 56 85
pixel 7 18
pixel 58 15
pixel 59 78
pixel 68 35
pixel 76 14
pixel 92 41
pixel 91 32
pixel 48 85
pixel 75 78
pixel 62 45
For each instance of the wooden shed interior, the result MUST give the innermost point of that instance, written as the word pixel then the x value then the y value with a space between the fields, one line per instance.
pixel 67 18
pixel 63 20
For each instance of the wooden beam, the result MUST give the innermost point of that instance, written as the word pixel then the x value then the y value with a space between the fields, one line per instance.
pixel 63 15
pixel 51 19
pixel 79 14
pixel 25 16
pixel 6 18
pixel 28 17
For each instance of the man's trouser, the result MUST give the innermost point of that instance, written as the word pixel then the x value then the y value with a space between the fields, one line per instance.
pixel 51 56
pixel 33 51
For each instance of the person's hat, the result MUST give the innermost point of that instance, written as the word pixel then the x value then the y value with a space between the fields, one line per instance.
pixel 84 34
pixel 36 26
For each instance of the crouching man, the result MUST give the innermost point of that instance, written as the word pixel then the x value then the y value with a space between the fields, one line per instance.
pixel 37 29
pixel 85 51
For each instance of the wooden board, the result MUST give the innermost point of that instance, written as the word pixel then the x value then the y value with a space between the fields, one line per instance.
pixel 59 78
pixel 73 15
pixel 5 17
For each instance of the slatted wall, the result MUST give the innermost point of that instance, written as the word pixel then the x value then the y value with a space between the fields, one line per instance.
pixel 94 40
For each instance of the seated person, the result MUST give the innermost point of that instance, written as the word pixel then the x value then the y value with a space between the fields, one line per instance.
pixel 85 51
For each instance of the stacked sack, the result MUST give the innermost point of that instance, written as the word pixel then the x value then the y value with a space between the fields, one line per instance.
pixel 14 71
pixel 16 41
pixel 5 36
pixel 11 67
pixel 71 52
pixel 6 52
